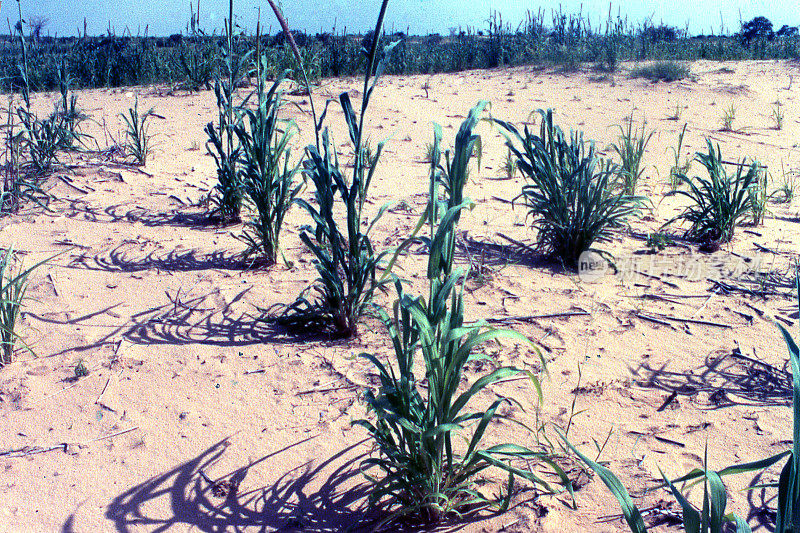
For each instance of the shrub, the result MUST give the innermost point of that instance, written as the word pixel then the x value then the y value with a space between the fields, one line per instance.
pixel 667 71
pixel 570 197
pixel 719 202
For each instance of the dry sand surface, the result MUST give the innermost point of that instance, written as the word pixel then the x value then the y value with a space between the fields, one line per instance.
pixel 187 387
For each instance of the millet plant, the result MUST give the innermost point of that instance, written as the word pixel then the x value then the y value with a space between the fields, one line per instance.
pixel 346 262
pixel 570 195
pixel 429 438
pixel 719 202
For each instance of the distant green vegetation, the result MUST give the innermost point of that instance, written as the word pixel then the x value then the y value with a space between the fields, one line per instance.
pixel 661 71
pixel 565 40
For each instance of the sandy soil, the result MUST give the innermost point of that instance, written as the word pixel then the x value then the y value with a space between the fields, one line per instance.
pixel 186 387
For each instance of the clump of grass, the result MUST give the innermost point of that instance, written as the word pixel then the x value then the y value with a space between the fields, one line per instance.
pixel 19 183
pixel 728 117
pixel 80 370
pixel 778 115
pixel 41 139
pixel 785 191
pixel 667 71
pixel 678 167
pixel 630 148
pixel 758 198
pixel 13 286
pixel 658 241
pixel 267 178
pixel 677 112
pixel 709 518
pixel 509 166
pixel 137 143
pixel 197 63
pixel 719 202
pixel 569 194
pixel 427 473
pixel 224 148
pixel 428 157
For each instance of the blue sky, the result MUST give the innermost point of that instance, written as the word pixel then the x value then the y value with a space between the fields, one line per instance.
pixel 165 17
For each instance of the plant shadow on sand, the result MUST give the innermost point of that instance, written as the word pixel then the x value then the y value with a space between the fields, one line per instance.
pixel 499 255
pixel 190 320
pixel 328 496
pixel 728 379
pixel 127 258
pixel 763 503
pixel 482 252
pixel 195 219
pixel 178 324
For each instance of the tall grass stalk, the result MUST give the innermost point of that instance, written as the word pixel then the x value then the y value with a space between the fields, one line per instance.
pixel 137 137
pixel 778 115
pixel 68 111
pixel 299 57
pixel 758 198
pixel 678 167
pixel 223 143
